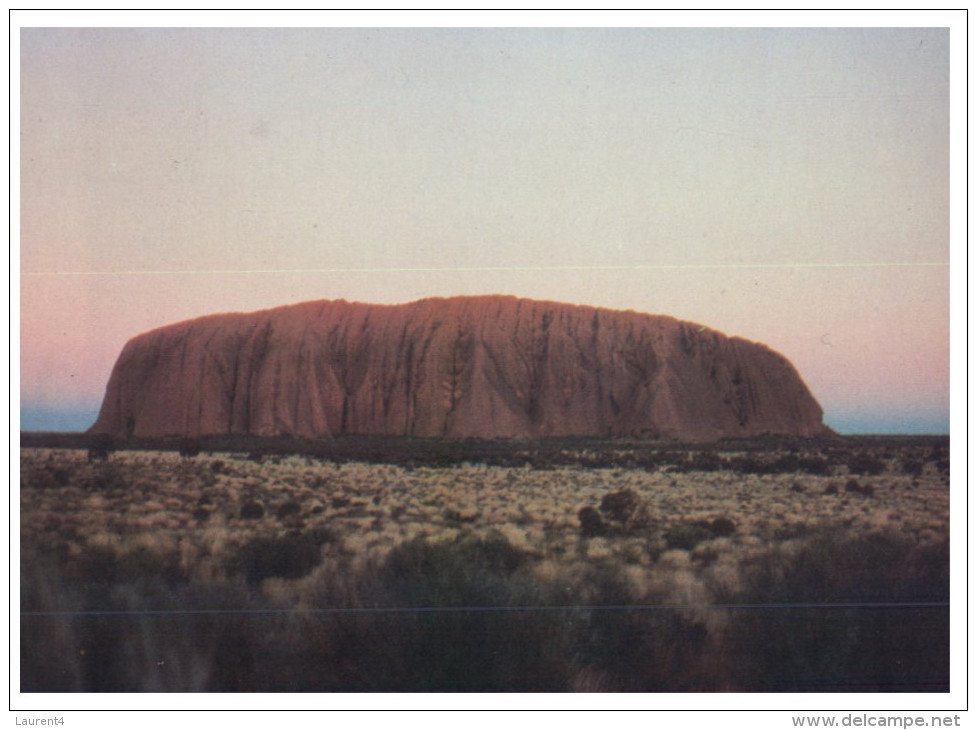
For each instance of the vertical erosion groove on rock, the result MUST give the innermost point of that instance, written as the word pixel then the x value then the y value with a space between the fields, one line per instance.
pixel 460 367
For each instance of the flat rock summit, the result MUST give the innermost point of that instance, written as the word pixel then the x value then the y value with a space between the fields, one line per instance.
pixel 487 366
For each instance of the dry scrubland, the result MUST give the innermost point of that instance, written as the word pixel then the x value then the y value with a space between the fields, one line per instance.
pixel 151 572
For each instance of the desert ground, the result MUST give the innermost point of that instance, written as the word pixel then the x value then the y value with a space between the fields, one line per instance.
pixel 595 568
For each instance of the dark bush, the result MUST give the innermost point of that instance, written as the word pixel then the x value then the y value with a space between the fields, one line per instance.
pixel 913 467
pixel 625 508
pixel 722 527
pixel 466 571
pixel 252 510
pixel 591 523
pixel 832 488
pixel 619 506
pixel 865 464
pixel 321 535
pixel 705 461
pixel 289 556
pixel 848 613
pixel 814 465
pixel 101 447
pixel 787 464
pixel 107 478
pixel 189 447
pixel 61 474
pixel 854 487
pixel 98 567
pixel 110 652
pixel 287 509
pixel 751 465
pixel 687 535
pixel 47 477
pixel 38 479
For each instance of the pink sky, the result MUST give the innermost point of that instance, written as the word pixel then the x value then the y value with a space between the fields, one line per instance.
pixel 788 186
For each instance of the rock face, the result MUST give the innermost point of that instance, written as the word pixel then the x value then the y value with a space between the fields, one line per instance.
pixel 467 366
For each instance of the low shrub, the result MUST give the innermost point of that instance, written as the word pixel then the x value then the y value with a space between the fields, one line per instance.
pixel 865 464
pixel 591 523
pixel 912 467
pixel 321 535
pixel 854 487
pixel 47 477
pixel 252 510
pixel 288 556
pixel 626 509
pixel 101 447
pixel 687 535
pixel 705 461
pixel 846 612
pixel 107 478
pixel 189 448
pixel 815 465
pixel 722 527
pixel 288 509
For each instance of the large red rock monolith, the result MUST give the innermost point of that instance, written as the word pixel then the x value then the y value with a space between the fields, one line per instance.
pixel 488 366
